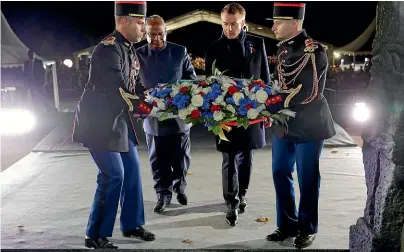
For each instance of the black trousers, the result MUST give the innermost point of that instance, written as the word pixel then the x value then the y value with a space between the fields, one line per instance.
pixel 236 173
pixel 169 159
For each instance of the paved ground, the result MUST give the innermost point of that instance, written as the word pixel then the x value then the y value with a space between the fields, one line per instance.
pixel 49 195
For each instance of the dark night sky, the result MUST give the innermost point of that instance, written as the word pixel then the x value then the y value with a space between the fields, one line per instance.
pixel 70 26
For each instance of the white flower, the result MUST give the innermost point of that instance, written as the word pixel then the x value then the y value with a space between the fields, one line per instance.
pixel 161 104
pixel 191 108
pixel 236 97
pixel 226 85
pixel 183 113
pixel 223 104
pixel 262 96
pixel 252 96
pixel 197 100
pixel 176 90
pixel 206 90
pixel 195 89
pixel 219 99
pixel 218 115
pixel 252 114
pixel 230 108
pixel 245 83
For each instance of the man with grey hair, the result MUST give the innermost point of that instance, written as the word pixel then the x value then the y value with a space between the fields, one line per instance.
pixel 168 141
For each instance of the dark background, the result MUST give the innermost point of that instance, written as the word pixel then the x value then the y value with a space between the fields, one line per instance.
pixel 67 27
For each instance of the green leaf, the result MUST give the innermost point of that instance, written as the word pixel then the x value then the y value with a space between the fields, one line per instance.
pixel 216 128
pixel 266 113
pixel 163 116
pixel 246 122
pixel 239 122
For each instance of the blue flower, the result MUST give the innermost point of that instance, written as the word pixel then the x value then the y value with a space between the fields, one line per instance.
pixel 268 90
pixel 216 87
pixel 205 104
pixel 181 101
pixel 242 111
pixel 207 115
pixel 163 93
pixel 230 100
pixel 209 124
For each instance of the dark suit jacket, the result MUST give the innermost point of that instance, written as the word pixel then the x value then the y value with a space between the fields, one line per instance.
pixel 244 57
pixel 34 74
pixel 167 65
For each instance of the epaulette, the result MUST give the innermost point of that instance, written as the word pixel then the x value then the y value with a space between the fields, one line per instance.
pixel 311 46
pixel 109 41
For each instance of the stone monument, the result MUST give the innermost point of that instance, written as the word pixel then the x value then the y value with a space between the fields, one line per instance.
pixel 381 227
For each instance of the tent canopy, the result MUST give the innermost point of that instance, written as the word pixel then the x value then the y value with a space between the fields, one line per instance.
pixel 13 51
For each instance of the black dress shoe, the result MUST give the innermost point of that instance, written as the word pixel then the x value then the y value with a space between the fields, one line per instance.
pixel 279 236
pixel 232 217
pixel 160 207
pixel 304 241
pixel 243 204
pixel 99 243
pixel 182 199
pixel 140 233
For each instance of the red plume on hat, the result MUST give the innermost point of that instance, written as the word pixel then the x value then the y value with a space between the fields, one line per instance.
pixel 130 8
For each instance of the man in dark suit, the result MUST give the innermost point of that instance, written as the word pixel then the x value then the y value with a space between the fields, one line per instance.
pixel 168 141
pixel 242 56
pixel 301 70
pixel 103 124
pixel 34 81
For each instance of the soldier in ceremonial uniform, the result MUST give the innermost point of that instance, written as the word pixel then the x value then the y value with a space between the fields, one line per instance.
pixel 103 124
pixel 168 141
pixel 301 71
pixel 242 56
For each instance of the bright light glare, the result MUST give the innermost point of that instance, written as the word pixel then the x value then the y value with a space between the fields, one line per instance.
pixel 68 63
pixel 16 121
pixel 361 113
pixel 337 55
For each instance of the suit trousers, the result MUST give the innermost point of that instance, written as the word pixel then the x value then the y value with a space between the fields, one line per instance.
pixel 306 156
pixel 169 159
pixel 236 173
pixel 118 180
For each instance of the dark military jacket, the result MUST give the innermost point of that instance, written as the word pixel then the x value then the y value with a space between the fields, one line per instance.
pixel 103 119
pixel 301 70
pixel 244 57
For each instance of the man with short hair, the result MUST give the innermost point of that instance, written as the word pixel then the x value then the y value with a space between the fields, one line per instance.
pixel 241 56
pixel 301 70
pixel 168 141
pixel 103 124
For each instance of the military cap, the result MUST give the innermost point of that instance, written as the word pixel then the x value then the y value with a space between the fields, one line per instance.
pixel 288 11
pixel 130 8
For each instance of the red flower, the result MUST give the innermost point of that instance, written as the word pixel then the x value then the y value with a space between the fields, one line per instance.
pixel 259 83
pixel 203 83
pixel 170 99
pixel 195 114
pixel 278 98
pixel 184 90
pixel 215 108
pixel 202 93
pixel 250 87
pixel 248 106
pixel 154 103
pixel 232 90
